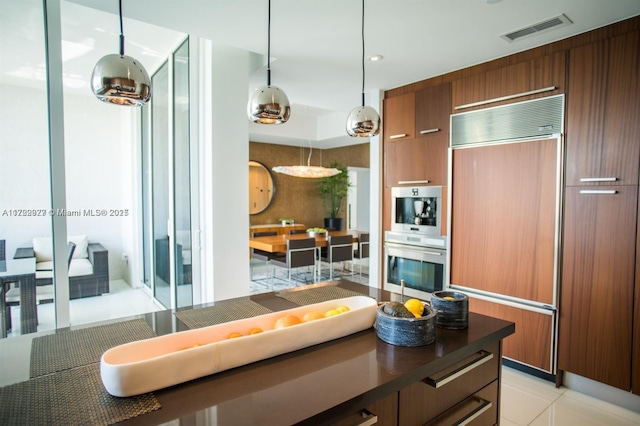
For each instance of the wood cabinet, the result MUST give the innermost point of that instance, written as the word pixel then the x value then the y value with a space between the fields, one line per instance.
pixel 510 82
pixel 599 329
pixel 596 309
pixel 465 390
pixel 533 342
pixel 503 238
pixel 399 117
pixel 441 396
pixel 504 219
pixel 416 137
pixel 603 113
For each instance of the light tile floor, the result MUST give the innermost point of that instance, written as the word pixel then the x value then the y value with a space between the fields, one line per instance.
pixel 530 401
pixel 526 400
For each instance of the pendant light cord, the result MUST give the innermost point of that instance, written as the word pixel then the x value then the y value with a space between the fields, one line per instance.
pixel 121 30
pixel 268 46
pixel 362 52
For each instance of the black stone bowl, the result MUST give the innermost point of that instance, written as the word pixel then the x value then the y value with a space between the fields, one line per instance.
pixel 452 314
pixel 406 331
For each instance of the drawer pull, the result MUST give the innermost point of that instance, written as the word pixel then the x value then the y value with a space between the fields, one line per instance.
pixel 411 182
pixel 599 179
pixel 598 191
pixel 368 418
pixel 426 132
pixel 483 405
pixel 401 135
pixel 478 359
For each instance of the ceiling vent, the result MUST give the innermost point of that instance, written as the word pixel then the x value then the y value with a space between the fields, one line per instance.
pixel 549 24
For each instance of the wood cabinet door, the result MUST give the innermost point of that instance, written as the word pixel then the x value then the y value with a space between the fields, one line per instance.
pixel 421 161
pixel 596 309
pixel 532 343
pixel 603 112
pixel 433 105
pixel 399 117
pixel 503 219
pixel 516 79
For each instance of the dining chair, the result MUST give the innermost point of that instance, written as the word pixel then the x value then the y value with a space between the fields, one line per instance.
pixel 297 231
pixel 362 252
pixel 43 292
pixel 261 255
pixel 339 249
pixel 299 253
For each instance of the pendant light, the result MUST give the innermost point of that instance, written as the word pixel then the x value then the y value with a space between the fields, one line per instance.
pixel 307 171
pixel 269 104
pixel 120 79
pixel 363 121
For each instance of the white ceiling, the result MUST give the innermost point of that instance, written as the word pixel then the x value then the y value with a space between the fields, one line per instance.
pixel 316 45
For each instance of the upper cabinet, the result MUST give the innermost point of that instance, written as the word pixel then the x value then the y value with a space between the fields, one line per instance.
pixel 603 113
pixel 433 105
pixel 532 79
pixel 399 117
pixel 416 137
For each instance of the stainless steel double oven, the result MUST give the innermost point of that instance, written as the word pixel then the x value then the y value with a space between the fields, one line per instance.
pixel 415 249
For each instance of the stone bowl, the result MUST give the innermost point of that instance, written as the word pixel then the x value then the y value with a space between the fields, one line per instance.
pixel 315 234
pixel 406 331
pixel 452 308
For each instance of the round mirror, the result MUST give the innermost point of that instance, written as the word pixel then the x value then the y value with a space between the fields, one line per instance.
pixel 261 187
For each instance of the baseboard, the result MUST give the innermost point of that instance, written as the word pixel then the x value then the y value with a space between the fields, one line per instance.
pixel 529 370
pixel 601 391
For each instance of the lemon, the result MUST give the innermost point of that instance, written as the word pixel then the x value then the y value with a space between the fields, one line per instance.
pixel 414 306
pixel 332 312
pixel 342 309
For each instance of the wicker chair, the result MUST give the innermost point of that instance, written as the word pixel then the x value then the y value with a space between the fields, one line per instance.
pixel 80 286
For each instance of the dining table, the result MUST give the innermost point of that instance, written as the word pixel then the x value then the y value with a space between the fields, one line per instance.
pixel 278 243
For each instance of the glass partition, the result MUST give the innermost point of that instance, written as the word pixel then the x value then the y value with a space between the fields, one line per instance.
pixel 160 180
pixel 182 176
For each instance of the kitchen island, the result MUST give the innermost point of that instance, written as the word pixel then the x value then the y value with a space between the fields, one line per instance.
pixel 346 381
pixel 337 381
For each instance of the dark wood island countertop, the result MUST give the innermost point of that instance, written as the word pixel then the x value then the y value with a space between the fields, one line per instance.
pixel 319 384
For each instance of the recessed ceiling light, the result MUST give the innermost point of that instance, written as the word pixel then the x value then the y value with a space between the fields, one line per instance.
pixel 375 58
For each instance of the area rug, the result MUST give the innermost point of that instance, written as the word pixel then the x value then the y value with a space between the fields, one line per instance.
pixel 70 397
pixel 220 313
pixel 68 349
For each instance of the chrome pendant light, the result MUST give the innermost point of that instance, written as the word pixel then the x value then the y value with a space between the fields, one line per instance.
pixel 120 79
pixel 269 104
pixel 363 121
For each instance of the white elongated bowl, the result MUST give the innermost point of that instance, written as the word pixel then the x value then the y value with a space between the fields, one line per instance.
pixel 151 364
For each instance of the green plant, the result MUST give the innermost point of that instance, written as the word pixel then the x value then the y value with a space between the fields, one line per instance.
pixel 334 189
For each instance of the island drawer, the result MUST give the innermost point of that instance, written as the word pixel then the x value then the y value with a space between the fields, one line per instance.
pixel 480 409
pixel 423 401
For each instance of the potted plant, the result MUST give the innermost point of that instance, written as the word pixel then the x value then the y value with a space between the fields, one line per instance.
pixel 333 190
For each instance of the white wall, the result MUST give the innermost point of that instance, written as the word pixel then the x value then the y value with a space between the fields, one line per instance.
pixel 224 143
pixel 98 167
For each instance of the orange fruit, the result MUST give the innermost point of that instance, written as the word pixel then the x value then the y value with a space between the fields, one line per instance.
pixel 255 330
pixel 312 315
pixel 234 335
pixel 286 321
pixel 332 312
